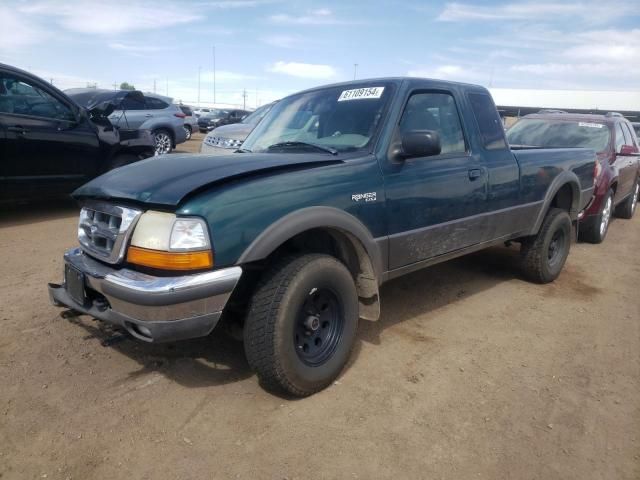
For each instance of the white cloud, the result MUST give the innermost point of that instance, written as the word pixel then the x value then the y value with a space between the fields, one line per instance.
pixel 229 4
pixel 456 73
pixel 16 31
pixel 115 17
pixel 593 11
pixel 282 41
pixel 320 16
pixel 225 76
pixel 303 70
pixel 136 50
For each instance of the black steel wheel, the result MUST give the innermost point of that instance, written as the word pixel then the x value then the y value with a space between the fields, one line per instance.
pixel 301 324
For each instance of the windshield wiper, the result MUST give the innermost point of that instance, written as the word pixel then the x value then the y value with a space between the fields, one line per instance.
pixel 243 150
pixel 330 150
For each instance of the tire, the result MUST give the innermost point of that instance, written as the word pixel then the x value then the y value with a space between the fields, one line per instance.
pixel 543 255
pixel 163 141
pixel 595 229
pixel 187 130
pixel 301 324
pixel 627 208
pixel 120 161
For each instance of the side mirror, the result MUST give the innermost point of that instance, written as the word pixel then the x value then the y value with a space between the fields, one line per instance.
pixel 628 150
pixel 420 143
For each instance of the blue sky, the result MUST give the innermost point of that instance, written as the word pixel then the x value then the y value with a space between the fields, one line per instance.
pixel 272 48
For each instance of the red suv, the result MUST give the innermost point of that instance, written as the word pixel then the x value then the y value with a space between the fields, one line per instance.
pixel 618 169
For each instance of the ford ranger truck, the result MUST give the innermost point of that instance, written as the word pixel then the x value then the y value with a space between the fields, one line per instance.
pixel 339 189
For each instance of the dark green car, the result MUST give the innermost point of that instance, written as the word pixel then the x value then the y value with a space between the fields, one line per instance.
pixel 338 189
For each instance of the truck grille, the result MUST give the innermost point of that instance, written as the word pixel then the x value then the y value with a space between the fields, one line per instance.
pixel 104 230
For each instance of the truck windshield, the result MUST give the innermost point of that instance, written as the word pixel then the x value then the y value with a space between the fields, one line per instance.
pixel 535 132
pixel 339 119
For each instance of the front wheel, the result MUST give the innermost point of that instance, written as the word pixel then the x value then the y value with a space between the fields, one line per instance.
pixel 301 324
pixel 627 208
pixel 163 142
pixel 543 255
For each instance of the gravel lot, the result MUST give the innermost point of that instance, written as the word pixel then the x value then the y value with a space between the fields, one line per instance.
pixel 470 373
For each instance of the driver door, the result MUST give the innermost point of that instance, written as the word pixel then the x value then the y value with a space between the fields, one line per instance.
pixel 45 146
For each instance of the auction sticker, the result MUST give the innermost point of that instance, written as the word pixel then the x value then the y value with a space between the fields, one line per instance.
pixel 361 93
pixel 590 125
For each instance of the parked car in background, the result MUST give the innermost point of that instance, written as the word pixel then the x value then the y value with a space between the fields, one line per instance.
pixel 636 127
pixel 220 116
pixel 49 145
pixel 201 111
pixel 617 170
pixel 339 189
pixel 228 138
pixel 150 112
pixel 190 120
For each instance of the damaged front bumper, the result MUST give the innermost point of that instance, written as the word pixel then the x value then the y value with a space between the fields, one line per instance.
pixel 152 309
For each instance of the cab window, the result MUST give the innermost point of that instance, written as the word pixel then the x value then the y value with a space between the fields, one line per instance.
pixel 438 112
pixel 488 120
pixel 21 98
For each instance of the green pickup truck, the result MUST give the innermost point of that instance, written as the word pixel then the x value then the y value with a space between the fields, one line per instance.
pixel 338 190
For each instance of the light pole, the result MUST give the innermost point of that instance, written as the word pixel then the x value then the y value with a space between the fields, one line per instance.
pixel 355 70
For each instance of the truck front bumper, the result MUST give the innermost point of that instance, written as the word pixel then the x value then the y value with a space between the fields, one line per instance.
pixel 152 309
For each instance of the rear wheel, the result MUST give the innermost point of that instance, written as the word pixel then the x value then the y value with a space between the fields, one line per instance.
pixel 543 255
pixel 163 141
pixel 301 324
pixel 187 131
pixel 627 208
pixel 594 230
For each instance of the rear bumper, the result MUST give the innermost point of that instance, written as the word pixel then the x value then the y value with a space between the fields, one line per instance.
pixel 152 309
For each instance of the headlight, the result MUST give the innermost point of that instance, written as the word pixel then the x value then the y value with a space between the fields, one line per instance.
pixel 162 240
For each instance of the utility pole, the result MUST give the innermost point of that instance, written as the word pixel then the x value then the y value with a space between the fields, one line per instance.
pixel 214 75
pixel 115 85
pixel 154 85
pixel 355 70
pixel 167 86
pixel 199 71
pixel 244 99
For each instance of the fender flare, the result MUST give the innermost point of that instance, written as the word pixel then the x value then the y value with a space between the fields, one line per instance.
pixel 308 218
pixel 564 178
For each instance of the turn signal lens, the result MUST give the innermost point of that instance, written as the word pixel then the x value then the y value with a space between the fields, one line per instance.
pixel 170 260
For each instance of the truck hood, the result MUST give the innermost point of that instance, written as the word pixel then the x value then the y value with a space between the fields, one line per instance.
pixel 167 179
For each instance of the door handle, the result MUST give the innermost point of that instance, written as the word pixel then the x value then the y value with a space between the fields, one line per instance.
pixel 18 129
pixel 475 173
pixel 148 115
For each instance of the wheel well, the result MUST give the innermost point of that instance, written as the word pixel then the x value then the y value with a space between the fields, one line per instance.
pixel 614 186
pixel 169 132
pixel 564 198
pixel 337 243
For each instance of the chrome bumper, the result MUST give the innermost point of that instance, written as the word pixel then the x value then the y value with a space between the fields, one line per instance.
pixel 153 309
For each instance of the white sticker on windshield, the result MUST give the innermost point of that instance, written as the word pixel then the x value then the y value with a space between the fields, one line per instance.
pixel 361 93
pixel 590 125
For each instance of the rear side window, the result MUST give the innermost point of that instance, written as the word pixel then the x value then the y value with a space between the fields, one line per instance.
pixel 628 136
pixel 186 110
pixel 155 103
pixel 619 138
pixel 488 120
pixel 130 103
pixel 435 111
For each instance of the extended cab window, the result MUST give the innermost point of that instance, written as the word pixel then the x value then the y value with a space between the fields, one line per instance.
pixel 488 120
pixel 438 112
pixel 21 98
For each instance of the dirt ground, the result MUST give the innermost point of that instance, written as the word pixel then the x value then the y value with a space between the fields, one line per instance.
pixel 470 373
